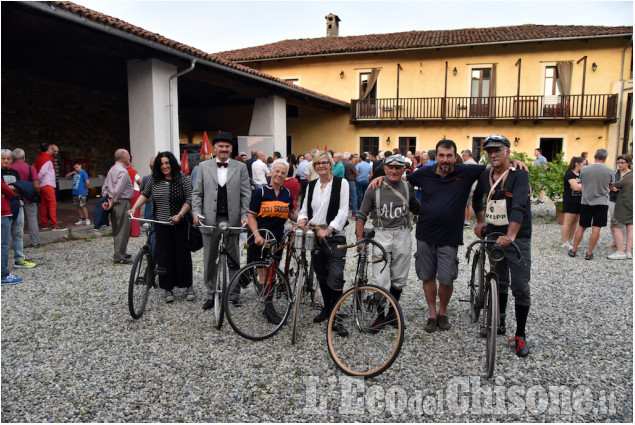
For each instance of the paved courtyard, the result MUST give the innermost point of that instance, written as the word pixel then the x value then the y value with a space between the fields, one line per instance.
pixel 72 353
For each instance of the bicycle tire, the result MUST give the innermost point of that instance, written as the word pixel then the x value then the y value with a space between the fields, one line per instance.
pixel 476 285
pixel 140 283
pixel 297 300
pixel 247 318
pixel 367 351
pixel 220 286
pixel 492 326
pixel 310 283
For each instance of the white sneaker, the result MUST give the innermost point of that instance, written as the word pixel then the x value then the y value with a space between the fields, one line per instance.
pixel 617 256
pixel 87 221
pixel 629 255
pixel 81 221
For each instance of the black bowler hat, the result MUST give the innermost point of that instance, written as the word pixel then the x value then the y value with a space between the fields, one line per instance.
pixel 223 136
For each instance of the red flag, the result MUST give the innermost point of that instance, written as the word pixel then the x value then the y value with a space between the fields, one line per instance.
pixel 325 147
pixel 185 166
pixel 206 149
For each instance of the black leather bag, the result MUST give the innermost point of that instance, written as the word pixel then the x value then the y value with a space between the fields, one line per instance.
pixel 194 238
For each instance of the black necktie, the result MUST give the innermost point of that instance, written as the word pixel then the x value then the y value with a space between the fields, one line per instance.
pixel 222 164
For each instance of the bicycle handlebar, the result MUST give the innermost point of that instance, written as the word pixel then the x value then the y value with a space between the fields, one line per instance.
pixel 367 241
pixel 243 227
pixel 147 220
pixel 495 248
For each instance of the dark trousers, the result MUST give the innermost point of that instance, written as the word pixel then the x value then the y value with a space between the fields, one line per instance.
pixel 171 253
pixel 519 270
pixel 329 264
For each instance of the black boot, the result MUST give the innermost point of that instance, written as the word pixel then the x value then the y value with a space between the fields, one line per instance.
pixel 270 313
pixel 327 297
pixel 339 328
pixel 502 307
pixel 391 317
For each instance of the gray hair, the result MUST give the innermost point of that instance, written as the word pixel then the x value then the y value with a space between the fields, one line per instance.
pixel 280 161
pixel 424 154
pixel 314 152
pixel 7 152
pixel 601 154
pixel 346 155
pixel 381 155
pixel 18 153
pixel 337 155
pixel 120 153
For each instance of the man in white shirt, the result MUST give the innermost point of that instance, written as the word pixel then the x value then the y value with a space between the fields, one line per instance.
pixel 260 171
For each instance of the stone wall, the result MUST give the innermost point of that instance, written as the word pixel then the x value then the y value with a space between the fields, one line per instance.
pixel 85 122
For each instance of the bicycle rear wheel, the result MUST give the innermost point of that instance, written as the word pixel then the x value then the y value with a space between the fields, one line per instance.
pixel 375 325
pixel 477 279
pixel 297 300
pixel 258 310
pixel 220 286
pixel 140 282
pixel 492 326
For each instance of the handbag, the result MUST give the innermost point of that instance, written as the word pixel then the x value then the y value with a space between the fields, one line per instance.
pixel 496 210
pixel 194 240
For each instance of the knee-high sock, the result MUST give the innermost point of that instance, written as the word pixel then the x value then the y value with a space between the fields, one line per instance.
pixel 522 311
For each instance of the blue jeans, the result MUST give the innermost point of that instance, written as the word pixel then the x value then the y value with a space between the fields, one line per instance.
pixel 101 216
pixel 17 236
pixel 361 189
pixel 352 194
pixel 6 240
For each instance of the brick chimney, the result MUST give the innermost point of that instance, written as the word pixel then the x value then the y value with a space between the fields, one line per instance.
pixel 332 25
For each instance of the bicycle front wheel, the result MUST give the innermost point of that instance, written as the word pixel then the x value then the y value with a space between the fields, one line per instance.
pixel 141 277
pixel 365 331
pixel 492 326
pixel 477 292
pixel 257 305
pixel 220 285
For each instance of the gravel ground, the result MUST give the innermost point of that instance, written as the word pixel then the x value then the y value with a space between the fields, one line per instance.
pixel 71 351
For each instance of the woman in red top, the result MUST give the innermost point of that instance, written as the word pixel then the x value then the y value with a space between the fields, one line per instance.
pixel 293 185
pixel 135 178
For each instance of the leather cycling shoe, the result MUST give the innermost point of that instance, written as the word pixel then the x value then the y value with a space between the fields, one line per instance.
pixel 324 315
pixel 500 331
pixel 208 304
pixel 339 329
pixel 522 350
pixel 271 315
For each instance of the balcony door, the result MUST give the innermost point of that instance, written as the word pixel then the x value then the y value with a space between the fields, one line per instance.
pixel 479 92
pixel 368 94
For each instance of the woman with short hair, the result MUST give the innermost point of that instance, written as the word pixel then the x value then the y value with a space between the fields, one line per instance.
pixel 326 205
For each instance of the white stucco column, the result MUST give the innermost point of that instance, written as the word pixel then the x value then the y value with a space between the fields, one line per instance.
pixel 269 118
pixel 149 111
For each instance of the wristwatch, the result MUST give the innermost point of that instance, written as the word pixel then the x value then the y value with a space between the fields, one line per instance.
pixel 329 231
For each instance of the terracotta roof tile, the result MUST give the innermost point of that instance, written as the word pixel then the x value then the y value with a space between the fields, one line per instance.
pixel 197 53
pixel 419 39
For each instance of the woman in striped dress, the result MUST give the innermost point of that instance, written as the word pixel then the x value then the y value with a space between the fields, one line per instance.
pixel 171 194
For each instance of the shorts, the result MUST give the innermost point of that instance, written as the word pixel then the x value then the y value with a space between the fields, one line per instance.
pixel 79 200
pixel 593 215
pixel 438 261
pixel 571 208
pixel 618 224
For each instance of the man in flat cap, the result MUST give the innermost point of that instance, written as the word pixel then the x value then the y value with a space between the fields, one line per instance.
pixel 221 193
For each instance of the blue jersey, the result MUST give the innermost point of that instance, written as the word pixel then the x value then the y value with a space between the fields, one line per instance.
pixel 79 183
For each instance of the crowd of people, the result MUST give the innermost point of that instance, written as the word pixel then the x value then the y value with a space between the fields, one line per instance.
pixel 326 189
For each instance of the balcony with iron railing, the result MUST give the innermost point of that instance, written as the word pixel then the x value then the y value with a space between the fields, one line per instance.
pixel 537 108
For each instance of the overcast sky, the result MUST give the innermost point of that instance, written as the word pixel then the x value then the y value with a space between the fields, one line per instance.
pixel 215 26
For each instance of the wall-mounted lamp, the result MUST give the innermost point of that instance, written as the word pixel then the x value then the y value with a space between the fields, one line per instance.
pixel 388 141
pixel 594 67
pixel 342 74
pixel 454 71
pixel 516 141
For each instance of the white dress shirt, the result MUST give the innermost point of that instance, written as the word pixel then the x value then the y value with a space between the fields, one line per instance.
pixel 259 172
pixel 320 205
pixel 222 173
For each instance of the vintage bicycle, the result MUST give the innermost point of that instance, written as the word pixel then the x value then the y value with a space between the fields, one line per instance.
pixel 222 270
pixel 483 291
pixel 144 271
pixel 371 317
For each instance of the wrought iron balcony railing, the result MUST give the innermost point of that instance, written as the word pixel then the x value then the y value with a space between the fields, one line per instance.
pixel 537 108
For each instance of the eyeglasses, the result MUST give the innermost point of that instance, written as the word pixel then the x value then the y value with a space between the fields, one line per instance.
pixel 321 164
pixel 622 162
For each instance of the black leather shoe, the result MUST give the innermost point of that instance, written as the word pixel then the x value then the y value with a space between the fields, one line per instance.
pixel 378 324
pixel 339 328
pixel 522 350
pixel 391 318
pixel 500 331
pixel 324 315
pixel 271 315
pixel 208 304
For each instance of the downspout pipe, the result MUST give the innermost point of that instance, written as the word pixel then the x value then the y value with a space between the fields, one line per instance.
pixel 171 104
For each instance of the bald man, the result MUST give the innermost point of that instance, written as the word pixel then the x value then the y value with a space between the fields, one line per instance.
pixel 118 188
